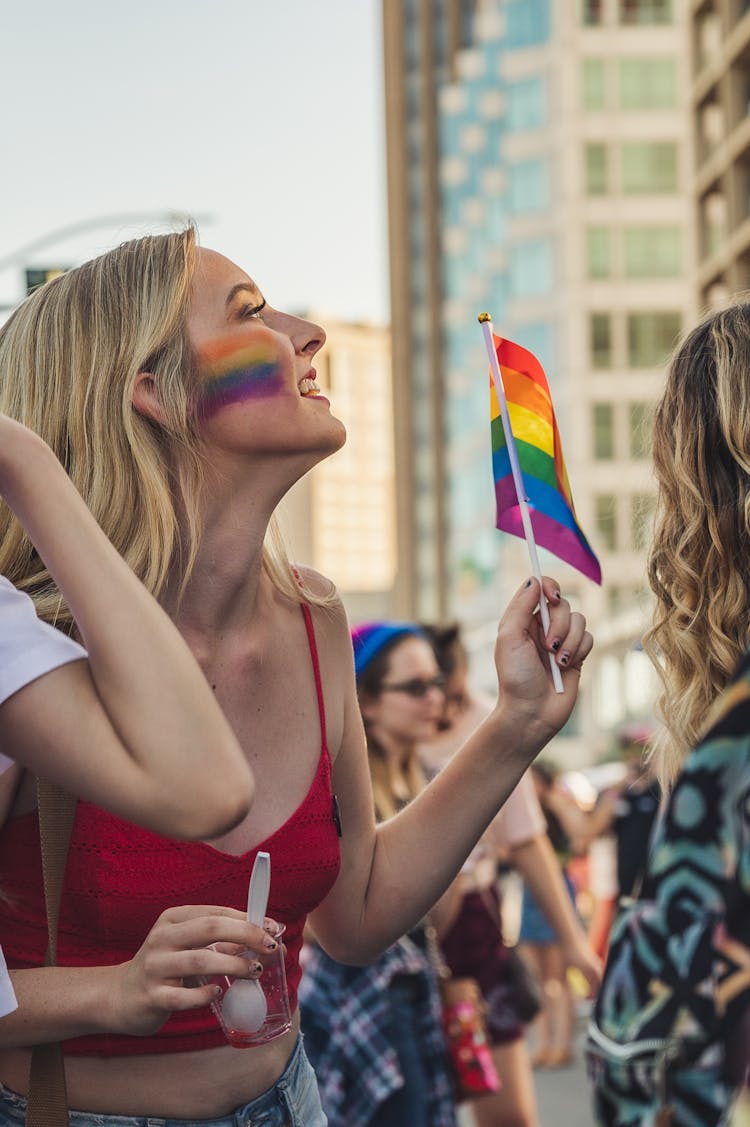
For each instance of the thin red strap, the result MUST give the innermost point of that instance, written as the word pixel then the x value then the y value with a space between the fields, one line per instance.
pixel 316 670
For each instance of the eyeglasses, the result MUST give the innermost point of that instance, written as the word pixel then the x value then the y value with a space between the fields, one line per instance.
pixel 417 687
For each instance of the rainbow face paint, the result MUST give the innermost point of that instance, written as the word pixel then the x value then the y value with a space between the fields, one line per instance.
pixel 245 366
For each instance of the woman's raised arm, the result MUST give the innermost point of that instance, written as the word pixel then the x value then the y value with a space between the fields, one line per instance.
pixel 135 727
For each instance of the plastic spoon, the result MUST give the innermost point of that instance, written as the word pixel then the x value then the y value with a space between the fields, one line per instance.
pixel 244 1005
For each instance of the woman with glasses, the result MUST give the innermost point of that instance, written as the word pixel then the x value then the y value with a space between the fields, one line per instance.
pixel 374 1033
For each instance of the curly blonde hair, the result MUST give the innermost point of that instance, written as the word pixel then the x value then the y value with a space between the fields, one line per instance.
pixel 69 359
pixel 699 560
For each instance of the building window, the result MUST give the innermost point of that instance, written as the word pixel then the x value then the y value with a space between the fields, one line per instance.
pixel 527 22
pixel 649 166
pixel 603 431
pixel 596 168
pixel 593 82
pixel 605 509
pixel 652 252
pixel 651 337
pixel 592 13
pixel 527 104
pixel 600 336
pixel 641 516
pixel 529 186
pixel 531 268
pixel 640 416
pixel 645 11
pixel 597 252
pixel 648 84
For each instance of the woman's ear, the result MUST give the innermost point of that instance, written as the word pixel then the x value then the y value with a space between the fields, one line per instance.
pixel 145 399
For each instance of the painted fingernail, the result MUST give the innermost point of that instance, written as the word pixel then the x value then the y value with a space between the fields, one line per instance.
pixel 557 596
pixel 269 944
pixel 256 968
pixel 527 584
pixel 564 658
pixel 556 645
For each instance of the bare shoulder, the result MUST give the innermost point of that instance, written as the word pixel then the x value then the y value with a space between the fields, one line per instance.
pixel 319 585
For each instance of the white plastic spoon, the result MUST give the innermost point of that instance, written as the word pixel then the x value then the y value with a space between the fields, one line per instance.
pixel 244 1005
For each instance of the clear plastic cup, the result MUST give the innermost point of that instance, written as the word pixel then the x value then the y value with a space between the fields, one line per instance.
pixel 278 1017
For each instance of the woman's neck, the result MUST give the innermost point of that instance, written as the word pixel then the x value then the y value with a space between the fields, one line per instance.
pixel 225 582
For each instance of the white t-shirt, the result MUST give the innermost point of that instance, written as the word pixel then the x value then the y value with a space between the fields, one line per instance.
pixel 29 648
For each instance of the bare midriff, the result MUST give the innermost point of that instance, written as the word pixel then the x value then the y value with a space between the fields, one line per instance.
pixel 195 1085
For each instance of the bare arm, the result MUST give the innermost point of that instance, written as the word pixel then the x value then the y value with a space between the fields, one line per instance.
pixel 536 861
pixel 135 997
pixel 390 876
pixel 136 728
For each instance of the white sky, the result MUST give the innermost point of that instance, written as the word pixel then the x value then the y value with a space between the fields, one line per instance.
pixel 264 115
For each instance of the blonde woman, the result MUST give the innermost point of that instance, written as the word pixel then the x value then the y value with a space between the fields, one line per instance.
pixel 184 406
pixel 691 925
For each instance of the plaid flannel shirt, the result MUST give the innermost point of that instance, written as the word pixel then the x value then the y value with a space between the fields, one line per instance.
pixel 345 1021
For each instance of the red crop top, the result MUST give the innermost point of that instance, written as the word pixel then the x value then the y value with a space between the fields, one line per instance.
pixel 120 878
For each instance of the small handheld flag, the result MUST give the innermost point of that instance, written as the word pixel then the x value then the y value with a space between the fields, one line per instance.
pixel 529 437
pixel 531 483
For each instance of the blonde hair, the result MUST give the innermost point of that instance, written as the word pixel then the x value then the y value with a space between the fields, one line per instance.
pixel 699 560
pixel 386 804
pixel 69 358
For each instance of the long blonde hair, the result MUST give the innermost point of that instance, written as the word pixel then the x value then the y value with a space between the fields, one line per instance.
pixel 699 560
pixel 69 358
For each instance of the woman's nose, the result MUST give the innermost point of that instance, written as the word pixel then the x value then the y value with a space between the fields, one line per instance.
pixel 306 336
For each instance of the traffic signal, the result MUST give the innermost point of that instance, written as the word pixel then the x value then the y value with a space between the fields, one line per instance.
pixel 37 276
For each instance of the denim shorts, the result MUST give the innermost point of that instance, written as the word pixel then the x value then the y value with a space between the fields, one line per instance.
pixel 293 1101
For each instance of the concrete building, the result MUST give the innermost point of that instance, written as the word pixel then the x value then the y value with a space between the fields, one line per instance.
pixel 539 167
pixel 720 56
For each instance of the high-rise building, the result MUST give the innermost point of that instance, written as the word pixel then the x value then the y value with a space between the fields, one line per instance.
pixel 720 54
pixel 539 168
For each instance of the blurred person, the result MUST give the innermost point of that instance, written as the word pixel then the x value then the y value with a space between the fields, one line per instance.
pixel 552 1030
pixel 184 406
pixel 517 834
pixel 374 1034
pixel 627 813
pixel 692 919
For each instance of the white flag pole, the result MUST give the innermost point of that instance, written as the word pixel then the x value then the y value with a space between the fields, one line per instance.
pixel 523 502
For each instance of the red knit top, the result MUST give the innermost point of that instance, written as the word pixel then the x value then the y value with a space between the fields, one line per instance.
pixel 120 878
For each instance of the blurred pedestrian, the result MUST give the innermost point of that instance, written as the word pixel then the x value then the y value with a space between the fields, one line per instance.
pixel 474 945
pixel 552 1031
pixel 374 1033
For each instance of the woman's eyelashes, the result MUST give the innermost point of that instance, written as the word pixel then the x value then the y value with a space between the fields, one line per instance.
pixel 247 312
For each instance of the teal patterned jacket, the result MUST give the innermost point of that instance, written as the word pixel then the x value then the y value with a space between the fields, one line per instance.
pixel 668 1042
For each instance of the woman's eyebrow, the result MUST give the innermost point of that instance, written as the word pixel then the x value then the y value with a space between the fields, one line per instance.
pixel 242 287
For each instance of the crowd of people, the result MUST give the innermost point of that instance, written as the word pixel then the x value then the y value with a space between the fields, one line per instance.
pixel 204 700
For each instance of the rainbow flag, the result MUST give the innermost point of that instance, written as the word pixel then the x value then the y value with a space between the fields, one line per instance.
pixel 540 456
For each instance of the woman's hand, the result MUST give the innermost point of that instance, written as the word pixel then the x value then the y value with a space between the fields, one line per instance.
pixel 178 950
pixel 522 658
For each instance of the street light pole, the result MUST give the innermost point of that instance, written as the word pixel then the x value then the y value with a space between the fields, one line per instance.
pixel 21 254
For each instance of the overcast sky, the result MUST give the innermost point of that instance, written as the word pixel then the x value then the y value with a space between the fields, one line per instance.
pixel 263 118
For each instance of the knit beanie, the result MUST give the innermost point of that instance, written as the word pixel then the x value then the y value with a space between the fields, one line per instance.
pixel 369 639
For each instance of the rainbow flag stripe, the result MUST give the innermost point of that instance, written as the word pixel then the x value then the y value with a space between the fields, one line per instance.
pixel 234 371
pixel 537 440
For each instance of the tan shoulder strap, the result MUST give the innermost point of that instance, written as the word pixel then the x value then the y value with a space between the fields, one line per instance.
pixel 48 1098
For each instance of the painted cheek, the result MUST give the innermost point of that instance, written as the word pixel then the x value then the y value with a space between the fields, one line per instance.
pixel 247 366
